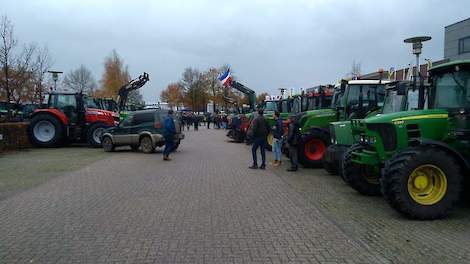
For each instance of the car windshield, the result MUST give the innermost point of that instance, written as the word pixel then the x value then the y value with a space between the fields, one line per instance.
pixel 452 90
pixel 270 106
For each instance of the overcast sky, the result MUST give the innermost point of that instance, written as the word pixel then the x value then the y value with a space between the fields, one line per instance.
pixel 269 43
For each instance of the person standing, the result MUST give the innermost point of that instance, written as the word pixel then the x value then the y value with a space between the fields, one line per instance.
pixel 259 129
pixel 196 122
pixel 277 138
pixel 208 121
pixel 293 138
pixel 170 132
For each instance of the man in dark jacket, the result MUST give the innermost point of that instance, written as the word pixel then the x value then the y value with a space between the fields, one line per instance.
pixel 170 132
pixel 293 138
pixel 259 130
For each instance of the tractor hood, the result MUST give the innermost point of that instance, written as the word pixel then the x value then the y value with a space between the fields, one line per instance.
pixel 406 115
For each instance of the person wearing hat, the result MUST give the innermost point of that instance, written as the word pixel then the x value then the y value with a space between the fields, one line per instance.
pixel 170 132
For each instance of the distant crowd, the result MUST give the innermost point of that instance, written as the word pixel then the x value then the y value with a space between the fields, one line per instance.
pixel 214 120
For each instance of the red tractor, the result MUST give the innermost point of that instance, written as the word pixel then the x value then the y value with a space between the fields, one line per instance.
pixel 66 118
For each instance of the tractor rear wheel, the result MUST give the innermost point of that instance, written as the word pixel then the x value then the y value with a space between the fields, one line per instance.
pixel 46 131
pixel 312 148
pixel 94 134
pixel 423 183
pixel 147 145
pixel 362 178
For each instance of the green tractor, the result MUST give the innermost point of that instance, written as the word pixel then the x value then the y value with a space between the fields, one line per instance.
pixel 423 155
pixel 399 96
pixel 351 99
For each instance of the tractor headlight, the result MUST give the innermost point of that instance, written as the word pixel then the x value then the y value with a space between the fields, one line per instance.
pixel 363 138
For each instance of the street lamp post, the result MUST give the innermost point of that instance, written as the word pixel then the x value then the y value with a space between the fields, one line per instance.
pixel 417 45
pixel 55 78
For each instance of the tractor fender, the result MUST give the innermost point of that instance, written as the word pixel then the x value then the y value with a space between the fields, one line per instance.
pixel 54 112
pixel 318 129
pixel 445 147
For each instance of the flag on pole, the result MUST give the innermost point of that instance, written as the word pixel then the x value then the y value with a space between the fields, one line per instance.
pixel 226 78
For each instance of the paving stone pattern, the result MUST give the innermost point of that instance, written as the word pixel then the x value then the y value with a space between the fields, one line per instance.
pixel 205 206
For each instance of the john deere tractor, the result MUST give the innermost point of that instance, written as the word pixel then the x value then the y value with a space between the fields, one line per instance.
pixel 352 99
pixel 424 155
pixel 399 96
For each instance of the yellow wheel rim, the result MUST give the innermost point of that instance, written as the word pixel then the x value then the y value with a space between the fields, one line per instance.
pixel 270 139
pixel 427 184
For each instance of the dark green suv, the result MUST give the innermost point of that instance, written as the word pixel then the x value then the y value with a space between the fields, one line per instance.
pixel 142 129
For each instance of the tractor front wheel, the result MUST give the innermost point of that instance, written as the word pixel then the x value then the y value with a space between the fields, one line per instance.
pixel 362 178
pixel 94 134
pixel 422 183
pixel 46 131
pixel 312 148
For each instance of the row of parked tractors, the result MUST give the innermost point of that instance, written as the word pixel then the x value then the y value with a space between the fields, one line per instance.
pixel 408 141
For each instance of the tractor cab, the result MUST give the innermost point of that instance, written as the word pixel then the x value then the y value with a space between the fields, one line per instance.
pixel 363 97
pixel 319 97
pixel 72 105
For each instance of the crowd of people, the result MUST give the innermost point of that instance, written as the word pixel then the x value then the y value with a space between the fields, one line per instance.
pixel 258 132
pixel 214 120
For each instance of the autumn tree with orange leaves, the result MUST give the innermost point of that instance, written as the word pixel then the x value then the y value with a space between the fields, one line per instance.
pixel 173 95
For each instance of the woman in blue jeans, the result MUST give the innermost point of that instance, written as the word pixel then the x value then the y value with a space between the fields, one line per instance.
pixel 277 139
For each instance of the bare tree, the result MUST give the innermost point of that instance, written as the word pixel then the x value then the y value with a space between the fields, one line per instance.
pixel 43 63
pixel 22 74
pixel 8 43
pixel 80 80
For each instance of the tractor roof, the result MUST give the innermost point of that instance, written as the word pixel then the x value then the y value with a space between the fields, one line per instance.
pixel 367 82
pixel 450 64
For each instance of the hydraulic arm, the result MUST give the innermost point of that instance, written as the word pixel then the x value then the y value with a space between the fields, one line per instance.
pixel 130 86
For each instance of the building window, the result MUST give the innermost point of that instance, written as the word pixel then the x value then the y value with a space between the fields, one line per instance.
pixel 464 45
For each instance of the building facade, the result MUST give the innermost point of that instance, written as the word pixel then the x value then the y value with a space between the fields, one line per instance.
pixel 457 40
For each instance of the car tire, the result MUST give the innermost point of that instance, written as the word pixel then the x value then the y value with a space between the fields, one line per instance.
pixel 107 144
pixel 147 145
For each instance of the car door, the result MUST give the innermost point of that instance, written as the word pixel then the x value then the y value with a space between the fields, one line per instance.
pixel 122 135
pixel 143 122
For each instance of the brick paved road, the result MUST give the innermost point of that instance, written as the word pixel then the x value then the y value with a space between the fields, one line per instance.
pixel 206 207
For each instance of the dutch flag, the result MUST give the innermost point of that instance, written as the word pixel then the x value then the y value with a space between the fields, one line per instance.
pixel 226 78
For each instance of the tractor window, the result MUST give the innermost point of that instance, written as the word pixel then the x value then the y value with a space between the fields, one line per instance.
pixel 304 103
pixel 326 102
pixel 296 105
pixel 412 99
pixel 92 103
pixel 64 101
pixel 337 100
pixel 284 106
pixel 270 106
pixel 452 90
pixel 393 102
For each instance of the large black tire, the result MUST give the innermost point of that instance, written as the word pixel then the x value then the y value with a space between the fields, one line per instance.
pixel 107 143
pixel 361 178
pixel 46 131
pixel 147 145
pixel 94 133
pixel 329 164
pixel 397 182
pixel 312 147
